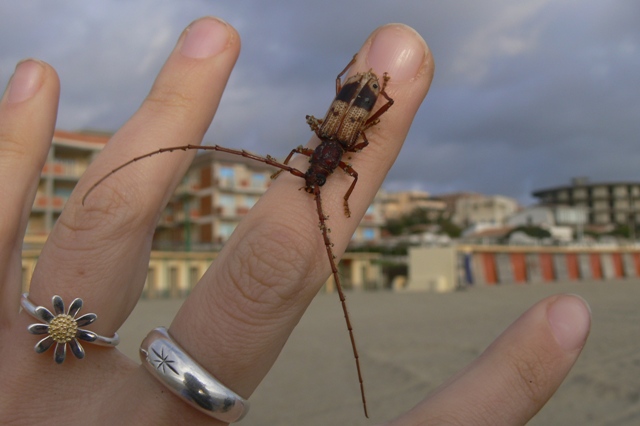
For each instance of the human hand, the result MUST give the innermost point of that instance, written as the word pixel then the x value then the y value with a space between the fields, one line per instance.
pixel 239 316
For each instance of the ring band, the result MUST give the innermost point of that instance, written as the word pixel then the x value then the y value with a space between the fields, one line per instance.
pixel 63 328
pixel 172 366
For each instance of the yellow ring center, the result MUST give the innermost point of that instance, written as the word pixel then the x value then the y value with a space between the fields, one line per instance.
pixel 63 328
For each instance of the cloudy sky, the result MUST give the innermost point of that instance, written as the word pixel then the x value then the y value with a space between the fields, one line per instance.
pixel 526 94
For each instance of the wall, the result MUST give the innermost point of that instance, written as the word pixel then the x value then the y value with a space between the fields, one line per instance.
pixel 173 274
pixel 432 269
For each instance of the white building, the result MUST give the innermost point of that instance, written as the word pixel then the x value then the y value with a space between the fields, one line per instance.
pixel 560 221
pixel 549 216
pixel 485 209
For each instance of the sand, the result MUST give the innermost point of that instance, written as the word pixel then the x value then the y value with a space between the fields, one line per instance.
pixel 411 342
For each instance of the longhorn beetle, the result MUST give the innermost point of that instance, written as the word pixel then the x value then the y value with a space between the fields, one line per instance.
pixel 341 131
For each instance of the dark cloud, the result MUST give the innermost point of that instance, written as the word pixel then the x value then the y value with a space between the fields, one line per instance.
pixel 526 94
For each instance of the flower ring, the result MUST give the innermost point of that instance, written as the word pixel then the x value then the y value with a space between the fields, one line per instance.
pixel 64 328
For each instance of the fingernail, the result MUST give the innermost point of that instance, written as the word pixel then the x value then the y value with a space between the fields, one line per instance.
pixel 398 50
pixel 570 320
pixel 26 81
pixel 204 38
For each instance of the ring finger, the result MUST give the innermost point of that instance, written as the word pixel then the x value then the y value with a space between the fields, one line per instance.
pixel 100 251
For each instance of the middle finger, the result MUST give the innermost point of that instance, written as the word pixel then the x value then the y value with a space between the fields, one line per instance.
pixel 238 317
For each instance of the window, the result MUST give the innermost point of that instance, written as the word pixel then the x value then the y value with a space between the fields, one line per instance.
pixel 226 229
pixel 368 234
pixel 227 201
pixel 226 175
pixel 258 180
pixel 249 201
pixel 194 276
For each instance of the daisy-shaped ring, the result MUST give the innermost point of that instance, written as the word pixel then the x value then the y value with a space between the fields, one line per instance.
pixel 64 328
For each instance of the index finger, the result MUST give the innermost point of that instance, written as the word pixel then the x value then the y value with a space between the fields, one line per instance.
pixel 241 313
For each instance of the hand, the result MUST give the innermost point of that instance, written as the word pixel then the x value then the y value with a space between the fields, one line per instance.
pixel 241 313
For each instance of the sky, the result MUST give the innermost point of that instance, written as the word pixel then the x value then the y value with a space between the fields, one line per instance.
pixel 526 94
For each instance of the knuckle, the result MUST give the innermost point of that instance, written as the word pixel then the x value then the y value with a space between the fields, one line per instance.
pixel 114 210
pixel 168 99
pixel 273 270
pixel 10 146
pixel 16 150
pixel 532 375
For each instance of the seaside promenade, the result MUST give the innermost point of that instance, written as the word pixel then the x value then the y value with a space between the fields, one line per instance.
pixel 411 342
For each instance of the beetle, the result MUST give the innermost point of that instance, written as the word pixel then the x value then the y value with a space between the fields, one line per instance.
pixel 339 132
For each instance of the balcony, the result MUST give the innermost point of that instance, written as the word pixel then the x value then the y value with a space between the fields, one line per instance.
pixel 187 188
pixel 43 202
pixel 64 169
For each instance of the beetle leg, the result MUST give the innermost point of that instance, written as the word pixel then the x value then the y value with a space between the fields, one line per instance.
pixel 299 150
pixel 359 146
pixel 348 170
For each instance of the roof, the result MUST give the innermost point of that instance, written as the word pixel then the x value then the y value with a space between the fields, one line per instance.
pixel 82 136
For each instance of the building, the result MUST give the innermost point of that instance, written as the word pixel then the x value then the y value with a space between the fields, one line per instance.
pixel 606 204
pixel 450 200
pixel 217 191
pixel 403 203
pixel 69 156
pixel 562 222
pixel 547 216
pixel 486 209
pixel 215 194
pixel 174 274
pixel 368 231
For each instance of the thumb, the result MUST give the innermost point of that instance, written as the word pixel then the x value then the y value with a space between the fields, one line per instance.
pixel 517 374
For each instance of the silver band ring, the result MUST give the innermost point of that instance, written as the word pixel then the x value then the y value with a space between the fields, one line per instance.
pixel 172 366
pixel 63 328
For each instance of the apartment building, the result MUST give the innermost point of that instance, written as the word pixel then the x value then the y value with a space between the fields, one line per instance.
pixel 450 200
pixel 69 156
pixel 483 209
pixel 605 203
pixel 368 230
pixel 217 192
pixel 402 203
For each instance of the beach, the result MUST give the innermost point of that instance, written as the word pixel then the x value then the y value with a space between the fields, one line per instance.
pixel 409 343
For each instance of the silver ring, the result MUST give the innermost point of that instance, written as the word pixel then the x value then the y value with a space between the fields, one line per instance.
pixel 172 366
pixel 62 328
